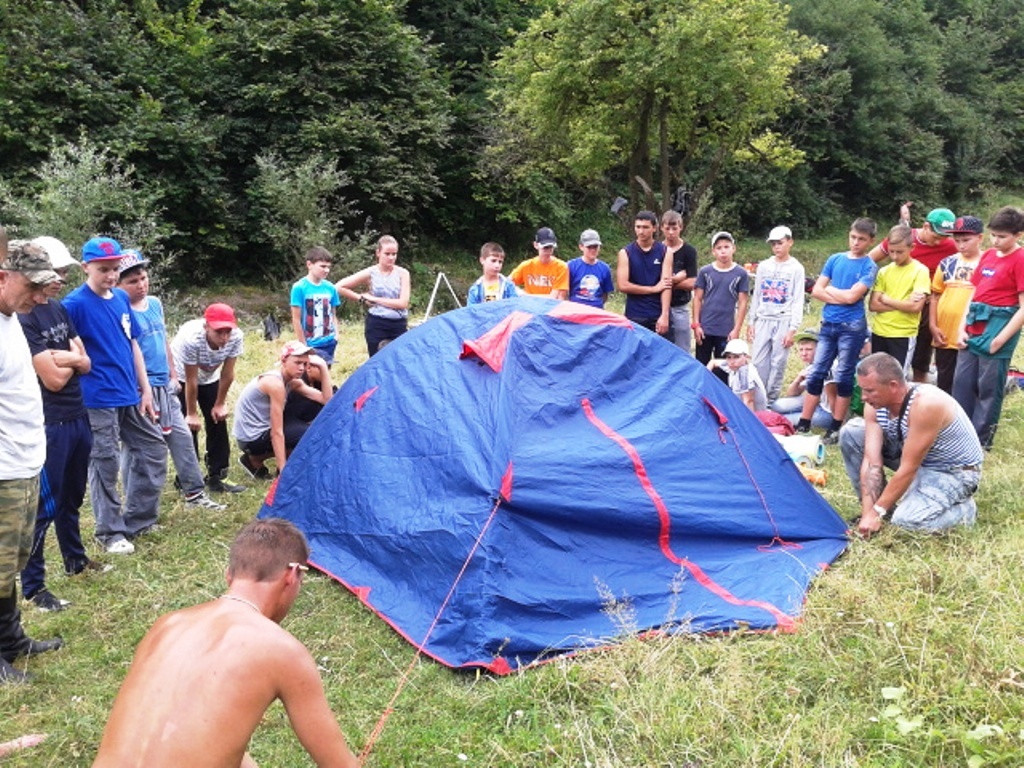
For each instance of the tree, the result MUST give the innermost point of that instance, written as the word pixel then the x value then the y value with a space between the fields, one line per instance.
pixel 344 78
pixel 661 87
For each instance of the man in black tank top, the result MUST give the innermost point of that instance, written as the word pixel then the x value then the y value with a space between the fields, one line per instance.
pixel 922 434
pixel 644 274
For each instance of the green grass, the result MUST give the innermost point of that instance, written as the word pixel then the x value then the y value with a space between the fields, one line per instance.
pixel 910 652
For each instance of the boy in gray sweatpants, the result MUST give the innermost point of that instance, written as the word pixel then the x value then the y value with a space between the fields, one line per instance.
pixel 777 310
pixel 133 279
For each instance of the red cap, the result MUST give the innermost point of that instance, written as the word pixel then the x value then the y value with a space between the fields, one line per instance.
pixel 219 316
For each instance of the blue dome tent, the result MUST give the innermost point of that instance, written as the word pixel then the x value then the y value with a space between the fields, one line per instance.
pixel 541 457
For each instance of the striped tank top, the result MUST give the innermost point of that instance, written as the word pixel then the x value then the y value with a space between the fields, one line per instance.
pixel 956 445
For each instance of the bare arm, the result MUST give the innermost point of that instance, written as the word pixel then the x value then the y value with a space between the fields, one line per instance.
pixel 302 694
pixel 346 284
pixel 273 387
pixel 324 390
pixel 933 318
pixel 741 312
pixel 698 299
pixel 622 277
pixel 297 323
pixel 878 255
pixel 192 396
pixel 887 303
pixel 1015 324
pixel 665 286
pixel 852 295
pixel 146 401
pixel 219 412
pixel 872 474
pixel 55 367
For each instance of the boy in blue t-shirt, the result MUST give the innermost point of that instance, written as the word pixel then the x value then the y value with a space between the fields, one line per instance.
pixel 590 280
pixel 119 399
pixel 842 286
pixel 314 303
pixel 133 279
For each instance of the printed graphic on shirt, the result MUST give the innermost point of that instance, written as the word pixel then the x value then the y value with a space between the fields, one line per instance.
pixel 774 291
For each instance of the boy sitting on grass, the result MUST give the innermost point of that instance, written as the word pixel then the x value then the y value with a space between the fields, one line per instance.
pixel 742 376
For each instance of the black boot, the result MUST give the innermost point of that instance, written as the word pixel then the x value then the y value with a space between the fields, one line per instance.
pixel 13 640
pixel 9 674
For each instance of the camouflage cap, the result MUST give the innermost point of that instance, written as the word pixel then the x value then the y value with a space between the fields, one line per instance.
pixel 31 261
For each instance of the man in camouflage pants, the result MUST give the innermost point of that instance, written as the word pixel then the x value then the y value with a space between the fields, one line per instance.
pixel 24 270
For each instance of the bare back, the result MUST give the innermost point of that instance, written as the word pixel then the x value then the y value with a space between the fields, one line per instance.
pixel 199 685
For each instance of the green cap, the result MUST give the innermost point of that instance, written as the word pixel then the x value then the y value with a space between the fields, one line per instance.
pixel 942 221
pixel 807 334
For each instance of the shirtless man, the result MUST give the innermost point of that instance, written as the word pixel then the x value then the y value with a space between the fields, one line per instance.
pixel 202 677
pixel 922 434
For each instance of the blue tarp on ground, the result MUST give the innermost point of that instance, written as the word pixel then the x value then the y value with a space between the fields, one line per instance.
pixel 589 458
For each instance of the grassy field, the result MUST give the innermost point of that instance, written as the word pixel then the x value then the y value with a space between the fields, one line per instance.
pixel 910 652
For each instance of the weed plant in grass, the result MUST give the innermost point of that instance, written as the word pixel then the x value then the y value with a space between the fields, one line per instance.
pixel 910 653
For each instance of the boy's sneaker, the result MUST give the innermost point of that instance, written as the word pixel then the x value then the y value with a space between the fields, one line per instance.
pixel 45 600
pixel 256 473
pixel 91 566
pixel 222 485
pixel 831 437
pixel 200 499
pixel 119 547
pixel 800 429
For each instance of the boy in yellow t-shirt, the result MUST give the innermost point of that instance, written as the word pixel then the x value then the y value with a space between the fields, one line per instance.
pixel 898 297
pixel 952 284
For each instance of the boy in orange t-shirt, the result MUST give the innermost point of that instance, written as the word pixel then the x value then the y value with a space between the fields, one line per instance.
pixel 952 291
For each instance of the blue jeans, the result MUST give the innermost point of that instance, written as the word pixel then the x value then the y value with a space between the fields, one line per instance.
pixel 842 341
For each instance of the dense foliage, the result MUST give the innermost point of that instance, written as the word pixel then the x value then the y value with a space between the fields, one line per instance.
pixel 459 120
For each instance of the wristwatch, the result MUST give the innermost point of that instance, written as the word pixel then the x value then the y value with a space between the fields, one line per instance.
pixel 882 511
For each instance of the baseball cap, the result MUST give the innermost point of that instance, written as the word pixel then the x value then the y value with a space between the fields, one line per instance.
pixel 967 225
pixel 294 348
pixel 722 235
pixel 737 347
pixel 779 233
pixel 101 249
pixel 131 259
pixel 31 261
pixel 941 220
pixel 60 256
pixel 546 237
pixel 220 316
pixel 590 237
pixel 807 334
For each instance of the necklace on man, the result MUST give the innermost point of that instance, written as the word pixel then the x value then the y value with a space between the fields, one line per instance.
pixel 238 599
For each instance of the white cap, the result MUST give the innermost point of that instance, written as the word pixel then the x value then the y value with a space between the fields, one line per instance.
pixel 737 347
pixel 779 233
pixel 590 237
pixel 56 251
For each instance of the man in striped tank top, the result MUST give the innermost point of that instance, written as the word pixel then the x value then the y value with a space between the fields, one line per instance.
pixel 922 434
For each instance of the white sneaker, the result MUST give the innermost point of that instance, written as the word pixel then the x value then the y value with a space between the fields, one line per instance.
pixel 202 500
pixel 120 547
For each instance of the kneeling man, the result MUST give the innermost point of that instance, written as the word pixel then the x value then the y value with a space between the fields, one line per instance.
pixel 922 434
pixel 202 677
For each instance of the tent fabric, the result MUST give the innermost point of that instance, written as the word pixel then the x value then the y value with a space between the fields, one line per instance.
pixel 521 479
